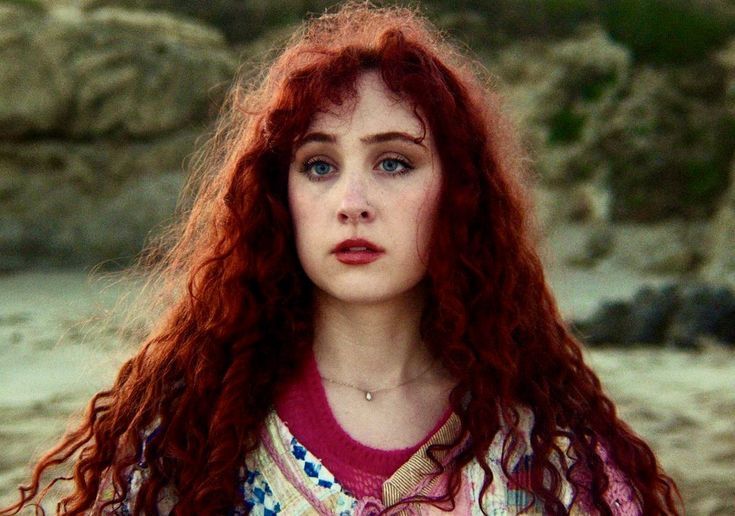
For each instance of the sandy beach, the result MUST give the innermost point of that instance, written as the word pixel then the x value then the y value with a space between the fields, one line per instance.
pixel 56 353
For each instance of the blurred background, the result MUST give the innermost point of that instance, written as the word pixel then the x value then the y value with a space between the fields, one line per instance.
pixel 626 107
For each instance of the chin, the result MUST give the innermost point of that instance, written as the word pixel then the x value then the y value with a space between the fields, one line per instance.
pixel 358 294
pixel 355 297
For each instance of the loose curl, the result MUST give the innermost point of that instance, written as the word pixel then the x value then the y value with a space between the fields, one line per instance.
pixel 224 345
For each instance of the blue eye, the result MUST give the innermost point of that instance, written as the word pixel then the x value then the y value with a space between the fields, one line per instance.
pixel 317 169
pixel 321 168
pixel 395 166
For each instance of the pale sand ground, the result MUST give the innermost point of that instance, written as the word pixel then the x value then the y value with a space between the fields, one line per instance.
pixel 683 404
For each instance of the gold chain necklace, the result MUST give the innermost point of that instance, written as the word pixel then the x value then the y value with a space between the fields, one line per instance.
pixel 371 392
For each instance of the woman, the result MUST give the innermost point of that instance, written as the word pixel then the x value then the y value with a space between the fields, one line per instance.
pixel 365 325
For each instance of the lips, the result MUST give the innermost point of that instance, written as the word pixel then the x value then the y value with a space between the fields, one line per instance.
pixel 357 244
pixel 357 251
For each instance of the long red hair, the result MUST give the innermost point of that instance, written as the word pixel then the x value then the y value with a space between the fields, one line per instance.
pixel 235 315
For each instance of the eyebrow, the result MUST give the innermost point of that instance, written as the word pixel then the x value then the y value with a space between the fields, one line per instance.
pixel 370 140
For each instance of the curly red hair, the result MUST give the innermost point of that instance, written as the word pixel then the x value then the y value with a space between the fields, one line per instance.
pixel 209 370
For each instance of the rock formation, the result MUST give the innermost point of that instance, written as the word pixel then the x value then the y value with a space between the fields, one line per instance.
pixel 684 316
pixel 98 112
pixel 100 106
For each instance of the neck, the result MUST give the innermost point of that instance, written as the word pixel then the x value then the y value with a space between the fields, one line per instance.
pixel 371 345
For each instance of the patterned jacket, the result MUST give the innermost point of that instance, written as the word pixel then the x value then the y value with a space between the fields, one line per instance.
pixel 283 477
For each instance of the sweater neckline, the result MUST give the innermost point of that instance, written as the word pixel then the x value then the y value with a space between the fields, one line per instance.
pixel 322 434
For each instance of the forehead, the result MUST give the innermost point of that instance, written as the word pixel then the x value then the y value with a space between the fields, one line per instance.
pixel 374 109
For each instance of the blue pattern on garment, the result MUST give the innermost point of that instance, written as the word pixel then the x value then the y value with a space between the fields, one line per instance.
pixel 258 496
pixel 515 495
pixel 313 466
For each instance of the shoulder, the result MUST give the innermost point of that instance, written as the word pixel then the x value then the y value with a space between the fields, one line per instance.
pixel 620 495
pixel 507 491
pixel 279 476
pixel 135 476
pixel 505 494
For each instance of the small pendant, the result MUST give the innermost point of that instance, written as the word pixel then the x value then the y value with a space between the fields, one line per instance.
pixel 369 396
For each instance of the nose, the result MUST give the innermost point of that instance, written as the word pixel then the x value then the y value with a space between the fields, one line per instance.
pixel 354 206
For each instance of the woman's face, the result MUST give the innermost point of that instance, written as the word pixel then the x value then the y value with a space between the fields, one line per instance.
pixel 363 194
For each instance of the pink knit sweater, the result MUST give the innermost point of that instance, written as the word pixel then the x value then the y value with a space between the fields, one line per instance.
pixel 360 469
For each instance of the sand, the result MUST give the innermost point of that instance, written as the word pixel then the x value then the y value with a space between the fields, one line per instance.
pixel 683 405
pixel 55 355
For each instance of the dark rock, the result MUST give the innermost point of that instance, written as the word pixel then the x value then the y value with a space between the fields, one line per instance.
pixel 704 311
pixel 607 325
pixel 650 312
pixel 680 316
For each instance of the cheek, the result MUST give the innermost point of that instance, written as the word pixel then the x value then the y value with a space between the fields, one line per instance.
pixel 299 206
pixel 298 202
pixel 424 216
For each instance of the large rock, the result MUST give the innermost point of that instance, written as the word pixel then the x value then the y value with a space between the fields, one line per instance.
pixel 98 112
pixel 720 264
pixel 563 93
pixel 668 152
pixel 727 59
pixel 240 21
pixel 584 202
pixel 33 93
pixel 79 203
pixel 659 140
pixel 721 258
pixel 107 72
pixel 664 248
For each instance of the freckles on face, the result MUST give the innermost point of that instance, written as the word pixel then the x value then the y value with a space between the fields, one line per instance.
pixel 366 171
